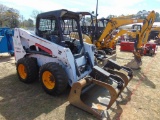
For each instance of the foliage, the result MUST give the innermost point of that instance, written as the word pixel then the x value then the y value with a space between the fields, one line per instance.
pixel 35 13
pixel 140 14
pixel 10 17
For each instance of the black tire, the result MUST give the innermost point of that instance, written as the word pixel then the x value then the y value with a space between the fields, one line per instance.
pixel 30 68
pixel 58 76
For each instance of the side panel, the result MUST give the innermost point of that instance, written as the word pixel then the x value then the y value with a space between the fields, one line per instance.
pixel 90 48
pixel 71 66
pixel 18 48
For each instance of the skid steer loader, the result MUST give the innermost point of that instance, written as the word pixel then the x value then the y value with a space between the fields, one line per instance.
pixel 58 60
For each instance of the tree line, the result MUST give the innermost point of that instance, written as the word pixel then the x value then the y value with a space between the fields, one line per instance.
pixel 10 17
pixel 140 14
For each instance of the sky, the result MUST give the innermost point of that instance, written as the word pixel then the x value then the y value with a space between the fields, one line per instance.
pixel 105 7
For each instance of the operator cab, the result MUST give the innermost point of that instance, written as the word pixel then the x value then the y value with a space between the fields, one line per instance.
pixel 57 26
pixel 86 23
pixel 90 26
pixel 136 27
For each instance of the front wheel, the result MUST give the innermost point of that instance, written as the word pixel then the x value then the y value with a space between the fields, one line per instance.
pixel 27 69
pixel 53 78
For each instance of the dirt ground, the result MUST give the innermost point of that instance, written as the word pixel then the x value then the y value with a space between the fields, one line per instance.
pixel 139 101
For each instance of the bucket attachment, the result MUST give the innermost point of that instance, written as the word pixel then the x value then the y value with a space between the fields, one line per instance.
pixel 136 62
pixel 97 92
pixel 114 68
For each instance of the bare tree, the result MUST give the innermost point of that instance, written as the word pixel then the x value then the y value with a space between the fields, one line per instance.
pixel 3 9
pixel 8 16
pixel 35 13
pixel 11 17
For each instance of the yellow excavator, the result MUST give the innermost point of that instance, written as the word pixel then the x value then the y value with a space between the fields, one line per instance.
pixel 112 40
pixel 130 33
pixel 141 40
pixel 106 42
pixel 100 33
pixel 154 33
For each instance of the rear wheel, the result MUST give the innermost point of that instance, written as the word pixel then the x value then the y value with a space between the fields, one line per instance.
pixel 53 78
pixel 27 70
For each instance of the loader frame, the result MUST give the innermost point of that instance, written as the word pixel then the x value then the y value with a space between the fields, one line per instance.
pixel 50 50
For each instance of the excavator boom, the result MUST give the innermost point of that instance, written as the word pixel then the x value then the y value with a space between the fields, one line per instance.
pixel 146 28
pixel 141 40
pixel 113 24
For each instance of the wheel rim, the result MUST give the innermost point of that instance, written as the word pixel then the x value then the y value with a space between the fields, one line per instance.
pixel 22 71
pixel 48 80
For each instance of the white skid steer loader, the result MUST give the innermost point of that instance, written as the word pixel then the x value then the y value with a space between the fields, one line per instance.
pixel 58 60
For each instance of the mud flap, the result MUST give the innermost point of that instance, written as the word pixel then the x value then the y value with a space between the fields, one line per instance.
pixel 100 97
